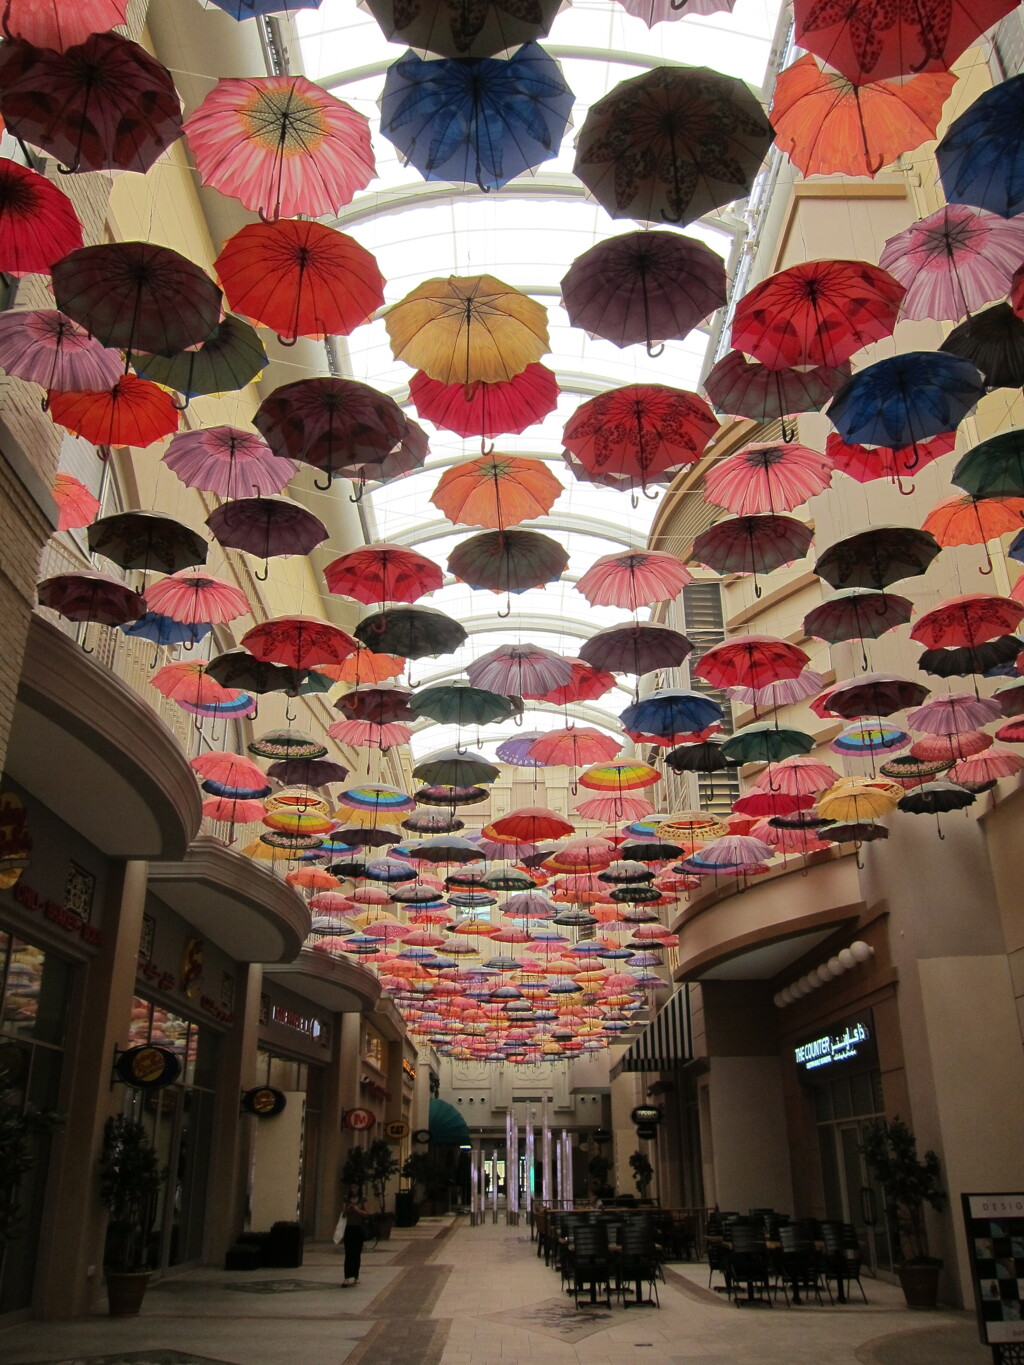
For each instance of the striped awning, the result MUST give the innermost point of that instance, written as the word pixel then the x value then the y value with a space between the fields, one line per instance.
pixel 667 1041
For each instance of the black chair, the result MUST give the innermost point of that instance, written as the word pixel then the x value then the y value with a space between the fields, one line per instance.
pixel 749 1263
pixel 842 1259
pixel 800 1263
pixel 590 1263
pixel 638 1264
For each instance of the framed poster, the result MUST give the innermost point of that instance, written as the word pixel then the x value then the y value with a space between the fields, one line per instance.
pixel 995 1242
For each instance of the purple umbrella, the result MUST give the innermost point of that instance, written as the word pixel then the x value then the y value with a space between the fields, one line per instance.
pixel 516 751
pixel 874 694
pixel 644 287
pixel 657 11
pixel 48 348
pixel 266 527
pixel 638 647
pixel 307 772
pixel 754 545
pixel 227 461
pixel 743 388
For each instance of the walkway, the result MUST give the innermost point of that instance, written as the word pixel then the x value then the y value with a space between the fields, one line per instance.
pixel 448 1294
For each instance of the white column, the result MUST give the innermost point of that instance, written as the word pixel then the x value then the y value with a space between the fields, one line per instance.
pixel 545 1151
pixel 512 1171
pixel 530 1158
pixel 474 1187
pixel 494 1185
pixel 566 1144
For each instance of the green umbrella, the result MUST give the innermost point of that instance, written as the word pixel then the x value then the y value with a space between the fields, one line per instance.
pixel 508 879
pixel 454 768
pixel 993 469
pixel 461 704
pixel 233 357
pixel 765 744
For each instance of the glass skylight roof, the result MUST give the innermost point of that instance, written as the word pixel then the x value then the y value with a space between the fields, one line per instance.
pixel 526 234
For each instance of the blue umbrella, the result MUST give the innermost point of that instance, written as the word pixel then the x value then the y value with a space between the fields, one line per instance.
pixel 1016 550
pixel 906 399
pixel 671 711
pixel 164 630
pixel 257 9
pixel 479 122
pixel 981 158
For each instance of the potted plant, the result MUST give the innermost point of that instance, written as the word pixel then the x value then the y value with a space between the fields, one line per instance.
pixel 598 1168
pixel 130 1181
pixel 23 1132
pixel 908 1182
pixel 381 1165
pixel 430 1179
pixel 643 1172
pixel 354 1170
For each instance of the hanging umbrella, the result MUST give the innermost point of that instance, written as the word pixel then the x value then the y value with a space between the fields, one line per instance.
pixel 750 661
pixel 382 800
pixel 364 666
pixel 76 505
pixel 381 705
pixel 519 671
pixel 874 694
pixel 574 748
pixel 816 313
pixel 1011 700
pixel 672 144
pixel 196 598
pixel 48 348
pixel 907 768
pixel 232 358
pixel 743 388
pixel 366 734
pixel 38 222
pixel 281 146
pixel 765 744
pixel 287 744
pixel 464 329
pixel 638 647
pixel 866 463
pixel 706 757
pixel 633 579
pixel 990 766
pixel 993 341
pixel 767 478
pixel 867 42
pixel 950 748
pixel 254 9
pixel 456 768
pixel 798 776
pixel 758 803
pixel 585 684
pixel 530 825
pixel 671 711
pixel 907 398
pixel 967 520
pixel 452 29
pixel 953 714
pixel 103 105
pixel 979 158
pixel 266 527
pixel 299 642
pixel 993 468
pixel 407 456
pixel 481 409
pixel 784 692
pixel 233 810
pixel 460 704
pixel 508 561
pixel 476 121
pixel 874 559
pixel 137 296
pixel 1011 733
pixel 227 461
pixel 754 545
pixel 516 751
pixel 239 668
pixel 967 620
pixel 733 850
pixel 412 632
pixel 640 431
pixel 132 412
pixel 91 597
pixel 331 424
pixel 451 796
pixel 615 808
pixel 857 614
pixel 496 491
pixel 934 798
pixel 858 799
pixel 961 661
pixel 146 541
pixel 300 278
pixel 644 287
pixel 954 261
pixel 869 737
pixel 307 772
pixel 432 822
pixel 188 681
pixel 56 24
pixel 827 124
pixel 383 573
pixel 658 11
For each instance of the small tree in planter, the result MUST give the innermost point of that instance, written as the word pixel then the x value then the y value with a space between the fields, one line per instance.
pixel 598 1168
pixel 381 1165
pixel 355 1171
pixel 424 1173
pixel 643 1172
pixel 908 1182
pixel 130 1181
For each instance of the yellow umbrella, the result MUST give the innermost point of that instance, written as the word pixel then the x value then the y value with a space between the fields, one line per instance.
pixel 854 799
pixel 469 328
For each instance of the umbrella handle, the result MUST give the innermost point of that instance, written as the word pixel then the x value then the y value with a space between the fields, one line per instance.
pixel 904 492
pixel 44 403
pixel 359 496
pixel 656 350
pixel 181 407
pixel 788 436
pixel 287 341
pixel 508 608
pixel 323 487
pixel 288 714
pixel 486 447
pixel 265 574
pixel 667 217
pixel 652 496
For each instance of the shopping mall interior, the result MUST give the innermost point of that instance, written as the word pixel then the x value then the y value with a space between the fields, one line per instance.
pixel 511 704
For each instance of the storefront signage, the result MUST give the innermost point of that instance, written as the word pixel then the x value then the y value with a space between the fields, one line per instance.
pixel 421 1135
pixel 15 840
pixel 264 1101
pixel 645 1115
pixel 359 1119
pixel 852 1040
pixel 59 915
pixel 308 1024
pixel 147 1067
pixel 396 1130
pixel 211 1006
pixel 408 1070
pixel 995 1241
pixel 150 971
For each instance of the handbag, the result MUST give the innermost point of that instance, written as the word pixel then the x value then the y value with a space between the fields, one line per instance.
pixel 339 1231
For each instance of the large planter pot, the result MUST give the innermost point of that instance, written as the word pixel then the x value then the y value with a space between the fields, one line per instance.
pixel 385 1222
pixel 125 1292
pixel 920 1282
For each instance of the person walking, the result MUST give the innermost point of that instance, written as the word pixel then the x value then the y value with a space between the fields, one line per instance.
pixel 355 1214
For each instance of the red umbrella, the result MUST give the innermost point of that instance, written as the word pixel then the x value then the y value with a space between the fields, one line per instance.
pixel 364 734
pixel 634 578
pixel 816 313
pixel 866 463
pixel 767 478
pixel 188 681
pixel 331 424
pixel 300 279
pixel 383 573
pixel 105 105
pixel 968 620
pixel 750 661
pixel 76 504
pixel 59 25
pixel 531 825
pixel 193 598
pixel 381 705
pixel 640 431
pixel 586 683
pixel 483 409
pixel 132 413
pixel 574 748
pixel 38 222
pixel 91 597
pixel 298 642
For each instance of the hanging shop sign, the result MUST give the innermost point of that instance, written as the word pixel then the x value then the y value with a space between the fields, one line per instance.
pixel 421 1136
pixel 647 1132
pixel 601 1135
pixel 147 1067
pixel 359 1119
pixel 852 1040
pixel 396 1130
pixel 646 1115
pixel 264 1101
pixel 995 1240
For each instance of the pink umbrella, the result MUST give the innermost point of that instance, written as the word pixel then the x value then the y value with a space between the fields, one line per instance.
pixel 58 25
pixel 634 578
pixel 658 11
pixel 574 747
pixel 227 461
pixel 785 692
pixel 986 767
pixel 516 670
pixel 953 714
pixel 767 478
pixel 77 506
pixel 953 261
pixel 188 681
pixel 619 808
pixel 866 463
pixel 281 146
pixel 789 840
pixel 192 598
pixel 365 734
pixel 950 748
pixel 233 812
pixel 798 776
pixel 734 850
pixel 46 347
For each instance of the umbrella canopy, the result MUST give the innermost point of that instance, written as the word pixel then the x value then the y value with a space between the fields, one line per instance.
pixel 299 642
pixel 968 520
pixel 496 490
pixel 585 684
pixel 765 744
pixel 992 340
pixel 307 772
pixel 77 506
pixel 516 751
pixel 381 705
pixel 874 694
pixel 672 711
pixel 644 288
pixel 750 661
pixel 906 399
pixel 866 463
pixel 519 671
pixel 251 9
pixel 281 146
pixel 232 358
pixel 412 632
pixel 366 734
pixel 102 105
pixel 967 620
pixel 857 614
pixel 196 598
pixel 383 573
pixel 858 799
pixel 784 692
pixel 634 578
pixel 476 121
pixel 331 424
pixel 457 30
pixel 954 261
pixel 962 660
pixel 461 704
pixel 188 681
pixel 672 144
pixel 953 714
pixel 38 222
pixel 91 597
pixel 227 461
pixel 658 11
pixel 364 666
pixel 638 647
pixel 754 545
pixel 287 744
pixel 767 478
pixel 826 124
pixel 239 668
pixel 936 797
pixel 467 328
pixel 457 768
pixel 989 766
pixel 706 757
pixel 743 388
pixel 508 561
pixel 146 540
pixel 798 776
pixel 530 825
pixel 816 313
pixel 266 527
pixel 300 278
pixel 980 157
pixel 640 431
pixel 574 748
pixel 49 348
pixel 874 559
pixel 482 409
pixel 950 748
pixel 993 468
pixel 133 412
pixel 58 25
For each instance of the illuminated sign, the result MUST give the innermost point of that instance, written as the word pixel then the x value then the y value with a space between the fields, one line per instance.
pixel 147 1067
pixel 408 1069
pixel 853 1040
pixel 308 1024
pixel 264 1101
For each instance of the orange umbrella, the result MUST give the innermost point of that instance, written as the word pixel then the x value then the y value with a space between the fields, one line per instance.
pixel 496 491
pixel 312 879
pixel 825 124
pixel 966 520
pixel 188 682
pixel 76 505
pixel 134 412
pixel 364 666
pixel 302 279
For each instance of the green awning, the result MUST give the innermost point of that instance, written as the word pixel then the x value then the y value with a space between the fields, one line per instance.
pixel 447 1126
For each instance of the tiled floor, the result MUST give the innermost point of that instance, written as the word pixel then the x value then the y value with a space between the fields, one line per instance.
pixel 438 1295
